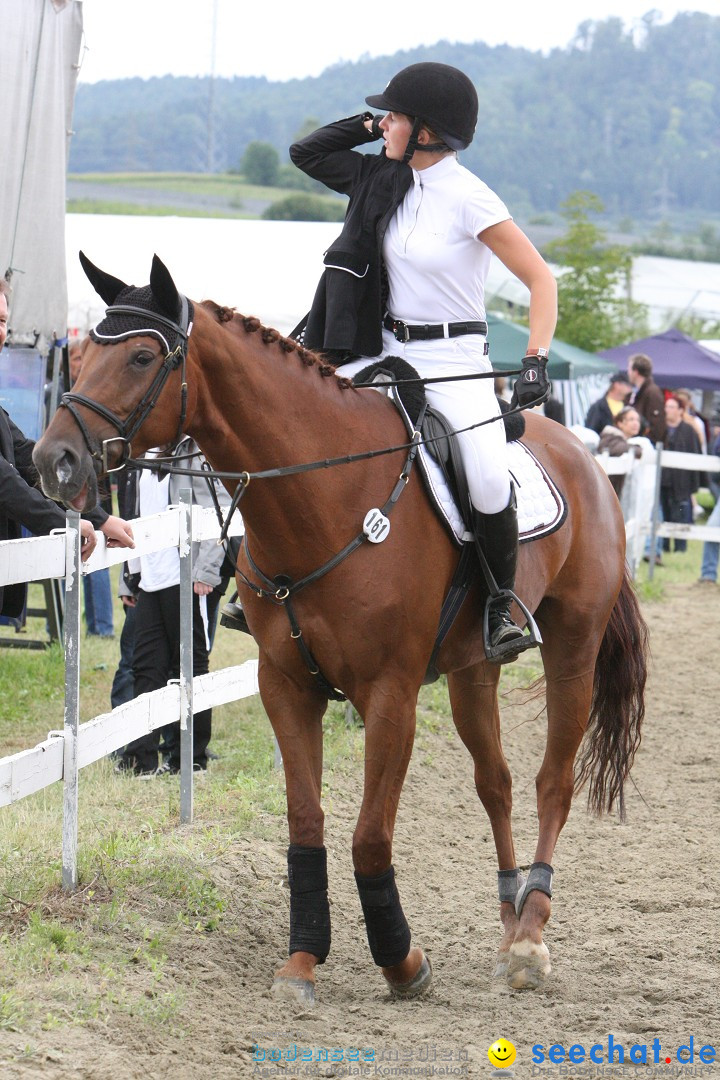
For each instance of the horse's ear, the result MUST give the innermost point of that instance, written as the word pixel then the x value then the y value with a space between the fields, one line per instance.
pixel 163 288
pixel 105 285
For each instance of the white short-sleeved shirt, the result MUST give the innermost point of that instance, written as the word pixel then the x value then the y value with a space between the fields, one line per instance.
pixel 160 569
pixel 436 265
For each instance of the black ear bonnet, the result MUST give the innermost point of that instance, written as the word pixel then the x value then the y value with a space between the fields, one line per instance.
pixel 119 325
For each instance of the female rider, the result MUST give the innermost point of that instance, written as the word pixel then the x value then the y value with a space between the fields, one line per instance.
pixel 407 277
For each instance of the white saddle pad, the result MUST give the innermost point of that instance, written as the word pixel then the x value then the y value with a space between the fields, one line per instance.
pixel 541 507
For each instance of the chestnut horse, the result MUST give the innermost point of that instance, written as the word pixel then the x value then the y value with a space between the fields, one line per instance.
pixel 254 400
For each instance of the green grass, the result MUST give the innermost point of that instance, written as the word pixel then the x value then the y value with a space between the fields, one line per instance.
pixel 145 886
pixel 217 185
pixel 227 195
pixel 679 568
pixel 98 206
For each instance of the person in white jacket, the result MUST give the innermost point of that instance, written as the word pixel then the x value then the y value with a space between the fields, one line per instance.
pixel 152 587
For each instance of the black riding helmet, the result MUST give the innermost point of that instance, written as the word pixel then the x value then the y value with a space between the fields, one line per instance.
pixel 437 96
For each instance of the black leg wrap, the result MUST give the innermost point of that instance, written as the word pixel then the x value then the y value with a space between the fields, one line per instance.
pixel 387 929
pixel 309 907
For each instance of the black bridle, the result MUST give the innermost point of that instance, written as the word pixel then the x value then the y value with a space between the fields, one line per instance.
pixel 129 427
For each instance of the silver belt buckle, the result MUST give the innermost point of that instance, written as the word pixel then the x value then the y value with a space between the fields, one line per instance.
pixel 401 330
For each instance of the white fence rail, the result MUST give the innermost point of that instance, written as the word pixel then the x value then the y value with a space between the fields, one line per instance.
pixel 66 751
pixel 641 497
pixel 29 771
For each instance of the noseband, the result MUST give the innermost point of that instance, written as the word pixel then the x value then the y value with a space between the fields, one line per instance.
pixel 128 428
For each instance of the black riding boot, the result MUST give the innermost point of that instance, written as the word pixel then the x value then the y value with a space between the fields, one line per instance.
pixel 232 616
pixel 496 538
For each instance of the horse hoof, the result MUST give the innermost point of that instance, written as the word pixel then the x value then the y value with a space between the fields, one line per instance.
pixel 528 966
pixel 417 986
pixel 291 988
pixel 501 965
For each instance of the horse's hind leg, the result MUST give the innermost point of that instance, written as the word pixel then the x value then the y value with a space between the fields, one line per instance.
pixel 297 723
pixel 569 655
pixel 473 697
pixel 389 714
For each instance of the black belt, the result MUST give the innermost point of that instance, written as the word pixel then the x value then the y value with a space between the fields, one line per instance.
pixel 423 332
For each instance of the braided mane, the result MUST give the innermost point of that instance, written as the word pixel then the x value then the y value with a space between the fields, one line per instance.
pixel 252 325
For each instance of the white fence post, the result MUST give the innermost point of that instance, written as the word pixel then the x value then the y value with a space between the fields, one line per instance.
pixel 186 657
pixel 638 536
pixel 73 586
pixel 652 553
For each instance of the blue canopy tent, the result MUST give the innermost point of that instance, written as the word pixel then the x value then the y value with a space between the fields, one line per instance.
pixel 677 360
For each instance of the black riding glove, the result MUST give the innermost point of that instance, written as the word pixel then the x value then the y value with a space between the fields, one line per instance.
pixel 532 387
pixel 376 129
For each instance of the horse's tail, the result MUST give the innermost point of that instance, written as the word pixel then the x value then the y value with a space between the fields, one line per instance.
pixel 618 705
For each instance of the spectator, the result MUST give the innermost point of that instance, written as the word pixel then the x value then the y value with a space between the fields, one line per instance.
pixel 554 410
pixel 711 549
pixel 647 397
pixel 603 411
pixel 692 416
pixel 614 440
pixel 22 503
pixel 97 591
pixel 677 486
pixel 156 650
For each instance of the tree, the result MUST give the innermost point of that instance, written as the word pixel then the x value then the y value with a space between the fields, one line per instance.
pixel 595 309
pixel 305 208
pixel 261 164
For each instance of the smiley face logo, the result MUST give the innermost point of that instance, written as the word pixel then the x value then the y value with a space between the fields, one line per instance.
pixel 501 1053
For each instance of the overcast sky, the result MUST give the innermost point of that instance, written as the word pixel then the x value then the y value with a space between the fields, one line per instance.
pixel 285 39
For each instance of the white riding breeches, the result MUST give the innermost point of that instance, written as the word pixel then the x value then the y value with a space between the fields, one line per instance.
pixel 484 449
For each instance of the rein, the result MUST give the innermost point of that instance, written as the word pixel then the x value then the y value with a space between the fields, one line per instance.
pixel 437 379
pixel 158 464
pixel 128 428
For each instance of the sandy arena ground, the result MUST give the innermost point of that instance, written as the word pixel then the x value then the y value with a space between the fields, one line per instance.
pixel 634 938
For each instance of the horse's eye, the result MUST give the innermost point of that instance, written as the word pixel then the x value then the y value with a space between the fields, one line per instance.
pixel 142 358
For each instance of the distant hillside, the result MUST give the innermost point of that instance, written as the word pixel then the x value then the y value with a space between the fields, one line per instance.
pixel 634 118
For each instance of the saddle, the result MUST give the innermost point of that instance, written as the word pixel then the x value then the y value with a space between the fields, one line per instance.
pixel 436 431
pixel 449 494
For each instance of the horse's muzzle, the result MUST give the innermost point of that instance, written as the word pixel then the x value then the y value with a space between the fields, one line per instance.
pixel 64 476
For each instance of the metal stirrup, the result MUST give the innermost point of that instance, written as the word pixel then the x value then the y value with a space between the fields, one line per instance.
pixel 516 645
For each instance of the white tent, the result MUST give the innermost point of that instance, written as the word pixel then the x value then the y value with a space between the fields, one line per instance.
pixel 264 268
pixel 40 48
pixel 672 288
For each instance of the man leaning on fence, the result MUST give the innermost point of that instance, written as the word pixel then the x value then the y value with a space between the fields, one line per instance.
pixel 22 502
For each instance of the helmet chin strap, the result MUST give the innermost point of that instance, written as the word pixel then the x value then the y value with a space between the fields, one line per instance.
pixel 413 144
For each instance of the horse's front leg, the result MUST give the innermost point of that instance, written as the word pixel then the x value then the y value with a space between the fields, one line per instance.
pixel 296 719
pixel 473 698
pixel 389 715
